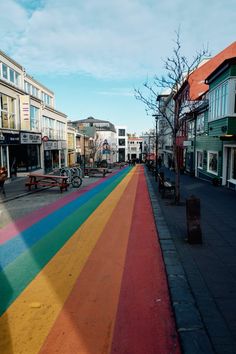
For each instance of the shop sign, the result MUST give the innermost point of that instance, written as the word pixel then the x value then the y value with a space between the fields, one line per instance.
pixel 9 138
pixel 25 111
pixel 30 138
pixel 50 145
pixel 187 143
pixel 62 144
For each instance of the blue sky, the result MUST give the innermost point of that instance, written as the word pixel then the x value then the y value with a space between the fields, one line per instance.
pixel 92 53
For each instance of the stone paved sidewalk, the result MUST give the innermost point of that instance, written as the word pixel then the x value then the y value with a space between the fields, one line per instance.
pixel 202 278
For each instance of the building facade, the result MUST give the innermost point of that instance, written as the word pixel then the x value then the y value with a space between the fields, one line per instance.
pixel 135 148
pixel 102 139
pixel 32 132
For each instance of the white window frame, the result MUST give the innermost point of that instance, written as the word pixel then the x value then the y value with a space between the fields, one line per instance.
pixel 219 101
pixel 208 162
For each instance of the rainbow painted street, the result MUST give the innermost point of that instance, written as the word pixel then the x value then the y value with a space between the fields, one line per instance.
pixel 86 275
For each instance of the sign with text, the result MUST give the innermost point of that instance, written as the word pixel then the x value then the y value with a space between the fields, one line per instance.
pixel 30 138
pixel 25 112
pixel 50 145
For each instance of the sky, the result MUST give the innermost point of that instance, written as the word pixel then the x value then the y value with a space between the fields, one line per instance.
pixel 93 53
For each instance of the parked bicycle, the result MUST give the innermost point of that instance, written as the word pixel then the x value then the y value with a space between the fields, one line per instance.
pixel 74 175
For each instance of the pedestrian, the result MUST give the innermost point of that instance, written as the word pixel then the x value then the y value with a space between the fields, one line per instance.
pixel 159 162
pixel 3 177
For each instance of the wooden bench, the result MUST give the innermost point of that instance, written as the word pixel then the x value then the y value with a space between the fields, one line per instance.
pixel 165 186
pixel 36 179
pixel 92 171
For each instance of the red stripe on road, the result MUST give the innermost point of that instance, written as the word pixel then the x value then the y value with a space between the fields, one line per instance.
pixel 144 322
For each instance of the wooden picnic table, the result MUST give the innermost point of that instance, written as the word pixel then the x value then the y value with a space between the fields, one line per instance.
pixel 91 171
pixel 37 179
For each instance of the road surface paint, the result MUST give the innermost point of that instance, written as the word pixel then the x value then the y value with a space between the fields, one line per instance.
pixel 96 284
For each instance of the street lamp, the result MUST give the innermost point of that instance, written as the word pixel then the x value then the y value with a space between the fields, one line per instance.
pixel 84 156
pixel 156 143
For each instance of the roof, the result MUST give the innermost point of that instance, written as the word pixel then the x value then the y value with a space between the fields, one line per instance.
pixel 196 80
pixel 220 69
pixel 93 121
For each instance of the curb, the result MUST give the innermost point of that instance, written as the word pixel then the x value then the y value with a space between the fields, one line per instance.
pixel 192 332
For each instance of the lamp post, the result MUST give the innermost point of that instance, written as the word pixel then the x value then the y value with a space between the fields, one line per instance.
pixel 84 156
pixel 156 144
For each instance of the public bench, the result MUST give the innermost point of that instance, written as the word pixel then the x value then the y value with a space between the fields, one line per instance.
pixel 93 171
pixel 165 186
pixel 36 179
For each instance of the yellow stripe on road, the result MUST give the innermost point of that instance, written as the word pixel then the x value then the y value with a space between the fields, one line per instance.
pixel 27 322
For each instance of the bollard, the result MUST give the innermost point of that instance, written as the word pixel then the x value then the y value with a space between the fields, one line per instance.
pixel 193 214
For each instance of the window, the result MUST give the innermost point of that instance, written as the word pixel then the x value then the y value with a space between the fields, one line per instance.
pixel 122 142
pixel 48 127
pixel 9 74
pixel 4 72
pixel 46 98
pixel 60 130
pixel 200 159
pixel 12 76
pixel 121 132
pixel 218 101
pixel 30 89
pixel 212 165
pixel 7 112
pixel 191 126
pixel 34 118
pixel 200 124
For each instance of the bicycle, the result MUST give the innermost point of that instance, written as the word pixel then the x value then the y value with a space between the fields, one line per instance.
pixel 74 175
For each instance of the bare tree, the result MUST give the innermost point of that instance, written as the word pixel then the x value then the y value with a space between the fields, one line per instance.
pixel 176 82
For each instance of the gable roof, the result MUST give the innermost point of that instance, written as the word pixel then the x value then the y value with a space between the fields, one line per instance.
pixel 220 69
pixel 197 79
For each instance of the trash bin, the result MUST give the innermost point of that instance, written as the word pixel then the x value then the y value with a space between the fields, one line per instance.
pixel 193 214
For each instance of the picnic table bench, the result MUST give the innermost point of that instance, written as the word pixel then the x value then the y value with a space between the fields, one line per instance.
pixel 165 186
pixel 92 171
pixel 36 179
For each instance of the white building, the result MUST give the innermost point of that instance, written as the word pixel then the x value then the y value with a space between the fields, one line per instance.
pixel 32 131
pixel 135 148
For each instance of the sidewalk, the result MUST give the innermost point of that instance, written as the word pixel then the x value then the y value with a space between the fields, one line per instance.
pixel 202 278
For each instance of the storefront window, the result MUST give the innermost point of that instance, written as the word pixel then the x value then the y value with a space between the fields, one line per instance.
pixel 27 157
pixel 213 162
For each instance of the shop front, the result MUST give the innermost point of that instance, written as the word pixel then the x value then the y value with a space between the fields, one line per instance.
pixel 54 155
pixel 19 151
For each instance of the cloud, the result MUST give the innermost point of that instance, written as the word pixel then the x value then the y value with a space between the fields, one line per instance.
pixel 108 39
